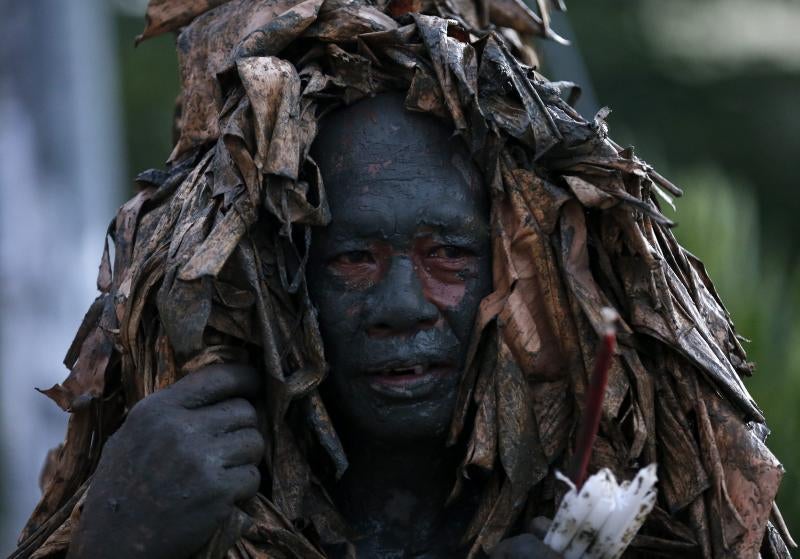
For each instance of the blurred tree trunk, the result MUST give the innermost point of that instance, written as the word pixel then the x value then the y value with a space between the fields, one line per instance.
pixel 60 174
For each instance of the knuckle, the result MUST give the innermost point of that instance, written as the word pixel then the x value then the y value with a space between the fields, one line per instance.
pixel 259 445
pixel 244 409
pixel 139 410
pixel 208 475
pixel 179 432
pixel 254 473
pixel 140 416
pixel 252 479
pixel 154 406
pixel 169 394
pixel 114 444
pixel 216 374
pixel 234 405
pixel 222 512
pixel 250 436
pixel 245 483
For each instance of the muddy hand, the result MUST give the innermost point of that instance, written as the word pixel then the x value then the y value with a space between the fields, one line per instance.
pixel 175 469
pixel 527 546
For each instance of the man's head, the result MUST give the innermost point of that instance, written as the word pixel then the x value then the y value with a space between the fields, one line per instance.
pixel 399 273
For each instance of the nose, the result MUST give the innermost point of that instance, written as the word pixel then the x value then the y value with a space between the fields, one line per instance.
pixel 399 306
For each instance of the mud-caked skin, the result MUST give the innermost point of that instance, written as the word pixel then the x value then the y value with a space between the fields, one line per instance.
pixel 399 273
pixel 525 546
pixel 174 470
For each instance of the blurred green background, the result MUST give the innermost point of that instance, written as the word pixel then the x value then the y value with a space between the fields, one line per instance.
pixel 708 93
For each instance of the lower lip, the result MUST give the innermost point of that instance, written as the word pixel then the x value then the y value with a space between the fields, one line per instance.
pixel 406 387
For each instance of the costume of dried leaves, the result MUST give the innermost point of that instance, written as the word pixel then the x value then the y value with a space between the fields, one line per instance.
pixel 208 266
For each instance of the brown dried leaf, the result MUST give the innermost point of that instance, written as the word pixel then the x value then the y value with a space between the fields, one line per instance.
pixel 206 48
pixel 682 477
pixel 273 37
pixel 589 195
pixel 168 15
pixel 341 21
pixel 87 379
pixel 518 16
pixel 65 488
pixel 752 474
pixel 213 253
pixel 273 88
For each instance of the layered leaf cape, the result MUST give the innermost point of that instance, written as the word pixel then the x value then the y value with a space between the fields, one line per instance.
pixel 209 258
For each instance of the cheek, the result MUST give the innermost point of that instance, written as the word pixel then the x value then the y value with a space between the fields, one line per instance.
pixel 447 286
pixel 443 293
pixel 339 309
pixel 458 294
pixel 352 311
pixel 340 320
pixel 341 313
pixel 356 277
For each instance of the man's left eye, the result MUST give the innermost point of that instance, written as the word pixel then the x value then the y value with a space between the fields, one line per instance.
pixel 449 252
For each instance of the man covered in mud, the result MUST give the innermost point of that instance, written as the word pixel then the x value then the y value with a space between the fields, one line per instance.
pixel 396 277
pixel 357 313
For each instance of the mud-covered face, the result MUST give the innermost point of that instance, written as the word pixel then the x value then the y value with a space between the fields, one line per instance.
pixel 398 274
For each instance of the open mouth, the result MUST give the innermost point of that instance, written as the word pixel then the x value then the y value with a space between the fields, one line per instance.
pixel 403 371
pixel 410 381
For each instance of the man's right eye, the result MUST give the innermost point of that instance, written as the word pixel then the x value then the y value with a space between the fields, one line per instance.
pixel 354 257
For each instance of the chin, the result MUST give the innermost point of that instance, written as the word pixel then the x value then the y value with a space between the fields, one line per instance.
pixel 397 426
pixel 380 420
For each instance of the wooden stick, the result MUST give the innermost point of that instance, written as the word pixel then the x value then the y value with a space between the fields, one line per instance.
pixel 594 399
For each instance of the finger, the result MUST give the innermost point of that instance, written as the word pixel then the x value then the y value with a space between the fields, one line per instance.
pixel 539 526
pixel 216 383
pixel 228 416
pixel 243 482
pixel 245 446
pixel 526 545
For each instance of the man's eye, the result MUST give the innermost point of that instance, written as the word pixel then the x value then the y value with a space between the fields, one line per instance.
pixel 449 252
pixel 354 257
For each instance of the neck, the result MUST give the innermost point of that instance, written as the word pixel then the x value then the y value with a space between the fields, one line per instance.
pixel 393 494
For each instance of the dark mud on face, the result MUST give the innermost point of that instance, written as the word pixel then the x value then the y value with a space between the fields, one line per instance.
pixel 398 274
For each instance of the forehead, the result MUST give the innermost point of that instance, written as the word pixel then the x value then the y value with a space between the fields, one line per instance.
pixel 387 170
